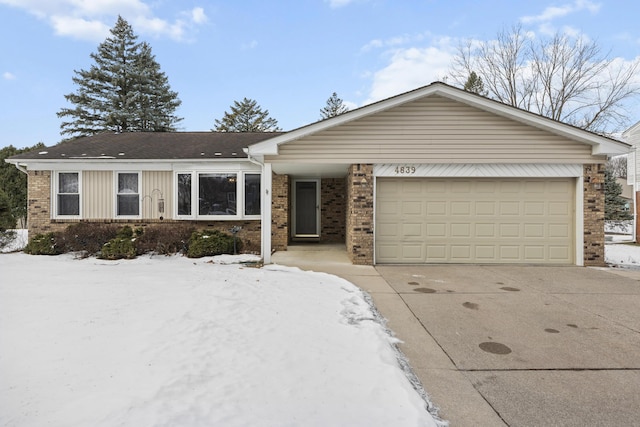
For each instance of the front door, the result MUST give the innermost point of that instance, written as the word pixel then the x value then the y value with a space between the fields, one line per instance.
pixel 306 208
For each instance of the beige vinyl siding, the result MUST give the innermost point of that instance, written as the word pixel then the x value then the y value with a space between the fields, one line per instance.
pixel 156 185
pixel 434 130
pixel 97 194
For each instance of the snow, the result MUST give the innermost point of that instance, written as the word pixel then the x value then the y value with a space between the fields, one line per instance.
pixel 18 243
pixel 172 341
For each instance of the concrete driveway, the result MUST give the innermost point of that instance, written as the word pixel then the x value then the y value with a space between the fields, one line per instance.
pixel 519 346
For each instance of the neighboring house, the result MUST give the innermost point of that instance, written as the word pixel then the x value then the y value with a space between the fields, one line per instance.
pixel 626 194
pixel 632 137
pixel 435 175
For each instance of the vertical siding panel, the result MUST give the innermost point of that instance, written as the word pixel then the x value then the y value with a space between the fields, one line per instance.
pixel 156 185
pixel 98 193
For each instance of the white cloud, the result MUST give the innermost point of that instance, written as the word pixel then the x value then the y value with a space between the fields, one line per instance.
pixel 8 76
pixel 393 41
pixel 91 19
pixel 79 28
pixel 251 45
pixel 411 68
pixel 553 12
pixel 198 16
pixel 334 4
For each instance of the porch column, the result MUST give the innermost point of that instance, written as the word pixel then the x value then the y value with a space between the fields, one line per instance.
pixel 360 214
pixel 265 218
pixel 593 179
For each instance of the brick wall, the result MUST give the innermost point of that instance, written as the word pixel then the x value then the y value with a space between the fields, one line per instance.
pixel 359 226
pixel 594 215
pixel 39 204
pixel 333 210
pixel 279 212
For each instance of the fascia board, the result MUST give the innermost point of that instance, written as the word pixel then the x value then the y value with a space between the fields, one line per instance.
pixel 128 164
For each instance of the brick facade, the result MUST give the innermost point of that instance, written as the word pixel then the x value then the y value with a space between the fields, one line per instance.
pixel 594 215
pixel 280 217
pixel 333 210
pixel 359 227
pixel 39 204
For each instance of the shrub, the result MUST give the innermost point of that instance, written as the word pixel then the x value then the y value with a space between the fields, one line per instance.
pixel 87 238
pixel 44 244
pixel 210 243
pixel 164 240
pixel 6 237
pixel 119 247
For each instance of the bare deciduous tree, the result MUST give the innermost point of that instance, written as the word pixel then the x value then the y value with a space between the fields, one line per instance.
pixel 564 78
pixel 618 166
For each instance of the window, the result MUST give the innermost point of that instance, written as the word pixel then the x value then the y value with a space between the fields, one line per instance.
pixel 184 194
pixel 217 194
pixel 68 194
pixel 128 197
pixel 252 194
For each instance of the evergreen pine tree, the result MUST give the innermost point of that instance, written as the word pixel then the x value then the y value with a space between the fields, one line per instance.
pixel 475 84
pixel 13 183
pixel 123 91
pixel 246 116
pixel 335 106
pixel 614 204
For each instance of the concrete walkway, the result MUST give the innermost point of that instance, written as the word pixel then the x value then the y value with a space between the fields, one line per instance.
pixel 553 354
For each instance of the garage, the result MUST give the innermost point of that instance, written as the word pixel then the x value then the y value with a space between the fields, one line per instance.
pixel 475 220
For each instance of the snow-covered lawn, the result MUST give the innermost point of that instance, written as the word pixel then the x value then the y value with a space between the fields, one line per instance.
pixel 171 341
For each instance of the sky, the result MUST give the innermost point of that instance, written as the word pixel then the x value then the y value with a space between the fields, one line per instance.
pixel 288 55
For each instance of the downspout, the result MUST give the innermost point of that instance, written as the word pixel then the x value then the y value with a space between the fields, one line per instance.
pixel 265 226
pixel 635 197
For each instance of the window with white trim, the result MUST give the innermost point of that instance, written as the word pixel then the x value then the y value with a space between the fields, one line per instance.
pixel 68 194
pixel 217 195
pixel 128 194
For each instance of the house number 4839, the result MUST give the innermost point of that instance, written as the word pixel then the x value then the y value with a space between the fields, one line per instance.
pixel 405 170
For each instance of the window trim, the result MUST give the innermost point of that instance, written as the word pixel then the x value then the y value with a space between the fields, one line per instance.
pixel 56 191
pixel 116 175
pixel 195 194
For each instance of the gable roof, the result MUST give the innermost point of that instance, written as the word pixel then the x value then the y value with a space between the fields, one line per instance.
pixel 151 146
pixel 601 145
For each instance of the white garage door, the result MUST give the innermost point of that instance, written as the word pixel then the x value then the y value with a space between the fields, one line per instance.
pixel 475 220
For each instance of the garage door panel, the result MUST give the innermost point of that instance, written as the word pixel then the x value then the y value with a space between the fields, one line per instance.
pixel 461 230
pixel 475 220
pixel 485 253
pixel 437 207
pixel 485 230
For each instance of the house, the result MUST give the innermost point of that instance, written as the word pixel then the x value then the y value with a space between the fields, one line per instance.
pixel 435 175
pixel 632 137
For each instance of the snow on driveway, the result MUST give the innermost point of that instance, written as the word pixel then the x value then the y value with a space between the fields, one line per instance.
pixel 171 341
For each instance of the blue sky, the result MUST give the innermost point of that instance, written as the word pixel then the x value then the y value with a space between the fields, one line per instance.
pixel 288 55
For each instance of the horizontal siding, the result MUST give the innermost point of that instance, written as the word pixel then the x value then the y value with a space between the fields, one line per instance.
pixel 97 192
pixel 156 186
pixel 434 130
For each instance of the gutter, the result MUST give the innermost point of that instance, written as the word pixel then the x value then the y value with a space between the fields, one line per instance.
pixel 21 168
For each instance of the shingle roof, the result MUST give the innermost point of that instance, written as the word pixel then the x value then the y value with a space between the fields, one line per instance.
pixel 153 146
